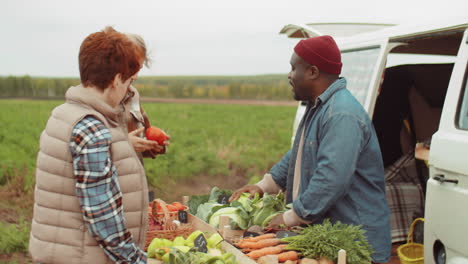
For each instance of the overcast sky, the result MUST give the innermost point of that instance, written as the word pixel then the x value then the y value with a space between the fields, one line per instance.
pixel 186 37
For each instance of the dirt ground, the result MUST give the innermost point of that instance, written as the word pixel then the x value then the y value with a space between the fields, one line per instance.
pixel 201 184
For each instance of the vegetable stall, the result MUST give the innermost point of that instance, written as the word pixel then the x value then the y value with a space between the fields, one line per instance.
pixel 209 229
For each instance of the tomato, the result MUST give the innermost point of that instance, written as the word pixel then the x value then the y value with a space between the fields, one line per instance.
pixel 156 134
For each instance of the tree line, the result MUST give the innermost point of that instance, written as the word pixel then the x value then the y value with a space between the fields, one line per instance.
pixel 259 87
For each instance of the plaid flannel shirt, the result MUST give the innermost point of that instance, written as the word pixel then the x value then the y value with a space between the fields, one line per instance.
pixel 98 190
pixel 405 196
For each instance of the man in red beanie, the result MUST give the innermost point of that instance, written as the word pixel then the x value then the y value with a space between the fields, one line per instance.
pixel 334 169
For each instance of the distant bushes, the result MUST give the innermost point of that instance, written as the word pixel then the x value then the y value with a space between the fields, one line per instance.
pixel 261 87
pixel 27 86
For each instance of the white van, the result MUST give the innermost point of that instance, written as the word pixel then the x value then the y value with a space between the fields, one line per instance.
pixel 411 102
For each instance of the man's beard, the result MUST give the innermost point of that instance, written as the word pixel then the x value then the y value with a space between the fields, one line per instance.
pixel 295 96
pixel 293 91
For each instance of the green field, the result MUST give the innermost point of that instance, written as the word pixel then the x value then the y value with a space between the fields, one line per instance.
pixel 206 139
pixel 211 144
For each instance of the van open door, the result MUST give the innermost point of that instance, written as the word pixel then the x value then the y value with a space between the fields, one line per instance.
pixel 446 216
pixel 363 68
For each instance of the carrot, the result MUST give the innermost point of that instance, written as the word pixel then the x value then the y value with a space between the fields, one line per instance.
pixel 266 251
pixel 260 244
pixel 246 250
pixel 179 206
pixel 172 208
pixel 258 238
pixel 288 255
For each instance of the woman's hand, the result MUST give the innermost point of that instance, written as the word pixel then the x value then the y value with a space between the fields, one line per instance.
pixel 159 150
pixel 141 144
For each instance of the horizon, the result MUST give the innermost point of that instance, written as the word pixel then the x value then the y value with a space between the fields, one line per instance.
pixel 152 76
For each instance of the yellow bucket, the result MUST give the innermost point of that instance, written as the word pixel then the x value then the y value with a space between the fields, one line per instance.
pixel 411 253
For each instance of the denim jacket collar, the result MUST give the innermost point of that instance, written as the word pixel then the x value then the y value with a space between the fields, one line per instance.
pixel 333 88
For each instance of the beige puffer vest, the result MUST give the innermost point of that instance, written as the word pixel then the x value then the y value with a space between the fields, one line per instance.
pixel 58 232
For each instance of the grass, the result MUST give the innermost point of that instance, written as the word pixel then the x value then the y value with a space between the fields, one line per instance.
pixel 206 139
pixel 22 122
pixel 14 237
pixel 219 139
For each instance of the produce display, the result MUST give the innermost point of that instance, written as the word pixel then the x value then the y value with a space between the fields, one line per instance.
pixel 319 243
pixel 323 243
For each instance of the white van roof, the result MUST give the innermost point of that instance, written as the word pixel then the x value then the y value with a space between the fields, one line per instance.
pixel 338 29
pixel 446 30
pixel 377 30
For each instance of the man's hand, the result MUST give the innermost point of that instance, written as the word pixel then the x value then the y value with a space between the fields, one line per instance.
pixel 276 222
pixel 140 144
pixel 252 189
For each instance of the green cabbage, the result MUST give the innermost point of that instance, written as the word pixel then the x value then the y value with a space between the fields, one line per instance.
pixel 266 208
pixel 245 202
pixel 244 212
pixel 237 221
pixel 205 210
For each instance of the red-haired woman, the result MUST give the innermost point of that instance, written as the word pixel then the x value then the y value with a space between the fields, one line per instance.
pixel 91 194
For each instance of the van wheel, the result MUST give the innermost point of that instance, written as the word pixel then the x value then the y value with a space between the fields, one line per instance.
pixel 439 253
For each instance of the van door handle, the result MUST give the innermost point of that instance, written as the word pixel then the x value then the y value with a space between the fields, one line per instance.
pixel 441 178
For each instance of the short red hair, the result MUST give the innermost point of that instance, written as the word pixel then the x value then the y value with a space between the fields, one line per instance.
pixel 107 53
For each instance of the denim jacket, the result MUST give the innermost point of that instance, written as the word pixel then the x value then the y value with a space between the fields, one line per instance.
pixel 342 174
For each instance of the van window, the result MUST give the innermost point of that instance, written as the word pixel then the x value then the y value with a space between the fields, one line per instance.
pixel 358 66
pixel 463 110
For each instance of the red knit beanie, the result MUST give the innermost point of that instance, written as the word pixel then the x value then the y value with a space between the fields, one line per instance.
pixel 322 52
